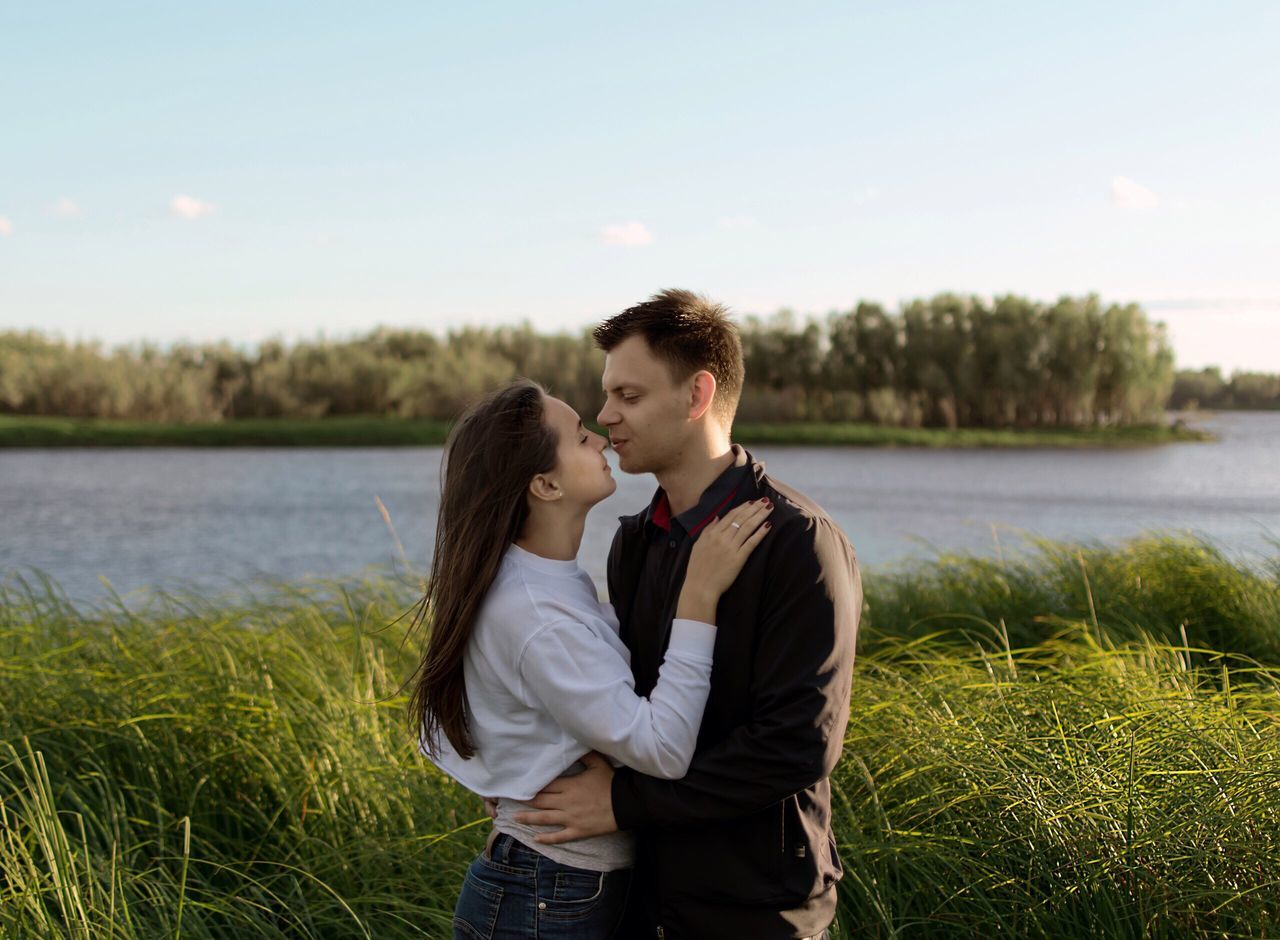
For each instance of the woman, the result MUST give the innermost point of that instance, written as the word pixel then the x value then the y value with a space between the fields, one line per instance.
pixel 524 671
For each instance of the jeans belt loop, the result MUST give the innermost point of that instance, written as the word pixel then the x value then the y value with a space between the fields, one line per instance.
pixel 488 843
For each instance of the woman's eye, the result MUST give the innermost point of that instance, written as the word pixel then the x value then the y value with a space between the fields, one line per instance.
pixel 583 441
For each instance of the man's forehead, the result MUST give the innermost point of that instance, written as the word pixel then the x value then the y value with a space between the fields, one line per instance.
pixel 630 363
pixel 612 380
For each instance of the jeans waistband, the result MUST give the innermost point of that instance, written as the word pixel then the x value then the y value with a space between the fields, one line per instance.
pixel 501 847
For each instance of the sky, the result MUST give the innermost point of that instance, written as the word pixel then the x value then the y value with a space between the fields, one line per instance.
pixel 242 170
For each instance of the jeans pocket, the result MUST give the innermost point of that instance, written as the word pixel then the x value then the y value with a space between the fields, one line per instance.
pixel 578 887
pixel 584 903
pixel 476 914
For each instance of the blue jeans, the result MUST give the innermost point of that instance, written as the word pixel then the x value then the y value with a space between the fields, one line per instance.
pixel 513 892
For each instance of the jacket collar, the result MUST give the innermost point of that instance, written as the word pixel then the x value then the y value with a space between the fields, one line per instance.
pixel 744 474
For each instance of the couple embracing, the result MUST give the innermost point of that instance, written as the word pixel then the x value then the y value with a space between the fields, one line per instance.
pixel 658 765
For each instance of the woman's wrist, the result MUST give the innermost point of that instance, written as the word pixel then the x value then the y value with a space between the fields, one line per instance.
pixel 697 604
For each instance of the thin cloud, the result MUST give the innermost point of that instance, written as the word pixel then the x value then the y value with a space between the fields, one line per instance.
pixel 189 207
pixel 6 226
pixel 65 208
pixel 627 233
pixel 1126 194
pixel 740 222
pixel 1210 303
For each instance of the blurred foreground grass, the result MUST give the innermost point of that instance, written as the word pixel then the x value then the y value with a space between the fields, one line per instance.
pixel 1082 742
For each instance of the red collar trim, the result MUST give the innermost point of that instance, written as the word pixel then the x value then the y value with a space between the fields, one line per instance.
pixel 662 513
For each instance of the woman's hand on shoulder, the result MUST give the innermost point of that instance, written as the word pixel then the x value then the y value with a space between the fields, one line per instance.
pixel 719 553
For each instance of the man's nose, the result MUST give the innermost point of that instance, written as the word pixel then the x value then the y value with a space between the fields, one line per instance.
pixel 606 417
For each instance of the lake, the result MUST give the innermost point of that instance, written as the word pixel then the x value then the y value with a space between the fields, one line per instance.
pixel 211 519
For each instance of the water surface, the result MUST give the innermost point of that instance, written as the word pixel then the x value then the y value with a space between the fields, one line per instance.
pixel 208 518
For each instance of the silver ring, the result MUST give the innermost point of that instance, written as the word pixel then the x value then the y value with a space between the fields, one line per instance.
pixel 736 525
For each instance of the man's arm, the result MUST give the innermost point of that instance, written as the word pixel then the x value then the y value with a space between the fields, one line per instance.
pixel 803 669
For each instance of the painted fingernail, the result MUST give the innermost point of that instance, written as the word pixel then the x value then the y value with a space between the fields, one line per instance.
pixel 768 524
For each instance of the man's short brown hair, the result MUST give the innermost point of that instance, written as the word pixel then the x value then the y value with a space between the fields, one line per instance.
pixel 689 333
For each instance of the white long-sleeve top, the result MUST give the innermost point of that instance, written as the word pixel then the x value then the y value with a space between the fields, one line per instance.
pixel 548 679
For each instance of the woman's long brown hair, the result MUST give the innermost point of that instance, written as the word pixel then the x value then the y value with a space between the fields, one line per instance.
pixel 493 452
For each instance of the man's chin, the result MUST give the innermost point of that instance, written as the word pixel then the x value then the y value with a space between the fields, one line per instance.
pixel 627 465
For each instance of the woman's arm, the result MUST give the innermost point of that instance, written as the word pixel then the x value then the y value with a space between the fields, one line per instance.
pixel 586 685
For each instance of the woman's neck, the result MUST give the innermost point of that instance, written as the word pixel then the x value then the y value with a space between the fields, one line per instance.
pixel 553 536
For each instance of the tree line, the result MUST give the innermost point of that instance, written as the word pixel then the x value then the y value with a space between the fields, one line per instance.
pixel 948 361
pixel 1206 388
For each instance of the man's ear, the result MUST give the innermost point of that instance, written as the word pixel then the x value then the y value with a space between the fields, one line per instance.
pixel 702 394
pixel 544 488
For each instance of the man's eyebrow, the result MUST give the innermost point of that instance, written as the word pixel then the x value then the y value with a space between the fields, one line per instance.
pixel 625 385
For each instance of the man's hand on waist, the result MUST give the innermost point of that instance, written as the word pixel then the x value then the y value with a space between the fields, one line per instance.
pixel 581 805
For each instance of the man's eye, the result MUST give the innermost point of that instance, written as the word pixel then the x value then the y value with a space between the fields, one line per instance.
pixel 630 398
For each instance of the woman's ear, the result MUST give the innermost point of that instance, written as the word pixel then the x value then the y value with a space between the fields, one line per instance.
pixel 544 488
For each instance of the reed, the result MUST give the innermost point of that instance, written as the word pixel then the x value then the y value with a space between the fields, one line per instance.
pixel 240 766
pixel 1073 789
pixel 1178 588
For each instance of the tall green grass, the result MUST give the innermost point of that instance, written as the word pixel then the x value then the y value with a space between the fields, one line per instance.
pixel 1176 588
pixel 236 768
pixel 221 767
pixel 1073 789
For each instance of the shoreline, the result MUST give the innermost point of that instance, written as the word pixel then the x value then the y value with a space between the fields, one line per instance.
pixel 49 432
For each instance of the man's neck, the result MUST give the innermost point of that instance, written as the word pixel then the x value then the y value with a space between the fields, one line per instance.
pixel 684 485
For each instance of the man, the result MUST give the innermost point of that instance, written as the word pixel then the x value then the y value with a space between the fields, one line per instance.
pixel 742 846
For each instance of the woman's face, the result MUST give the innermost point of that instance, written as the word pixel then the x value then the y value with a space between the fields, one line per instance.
pixel 582 472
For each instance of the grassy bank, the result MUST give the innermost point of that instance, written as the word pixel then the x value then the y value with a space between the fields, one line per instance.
pixel 874 435
pixel 206 768
pixel 25 431
pixel 30 431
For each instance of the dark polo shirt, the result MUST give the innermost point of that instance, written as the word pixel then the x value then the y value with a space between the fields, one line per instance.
pixel 670 540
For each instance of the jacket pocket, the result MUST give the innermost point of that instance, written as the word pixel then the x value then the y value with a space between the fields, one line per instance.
pixel 807 855
pixel 737 862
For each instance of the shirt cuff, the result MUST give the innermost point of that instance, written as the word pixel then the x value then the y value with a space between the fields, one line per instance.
pixel 693 637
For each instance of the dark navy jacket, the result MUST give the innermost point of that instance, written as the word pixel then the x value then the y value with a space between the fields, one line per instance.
pixel 742 846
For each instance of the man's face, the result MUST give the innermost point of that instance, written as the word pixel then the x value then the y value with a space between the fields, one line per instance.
pixel 645 412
